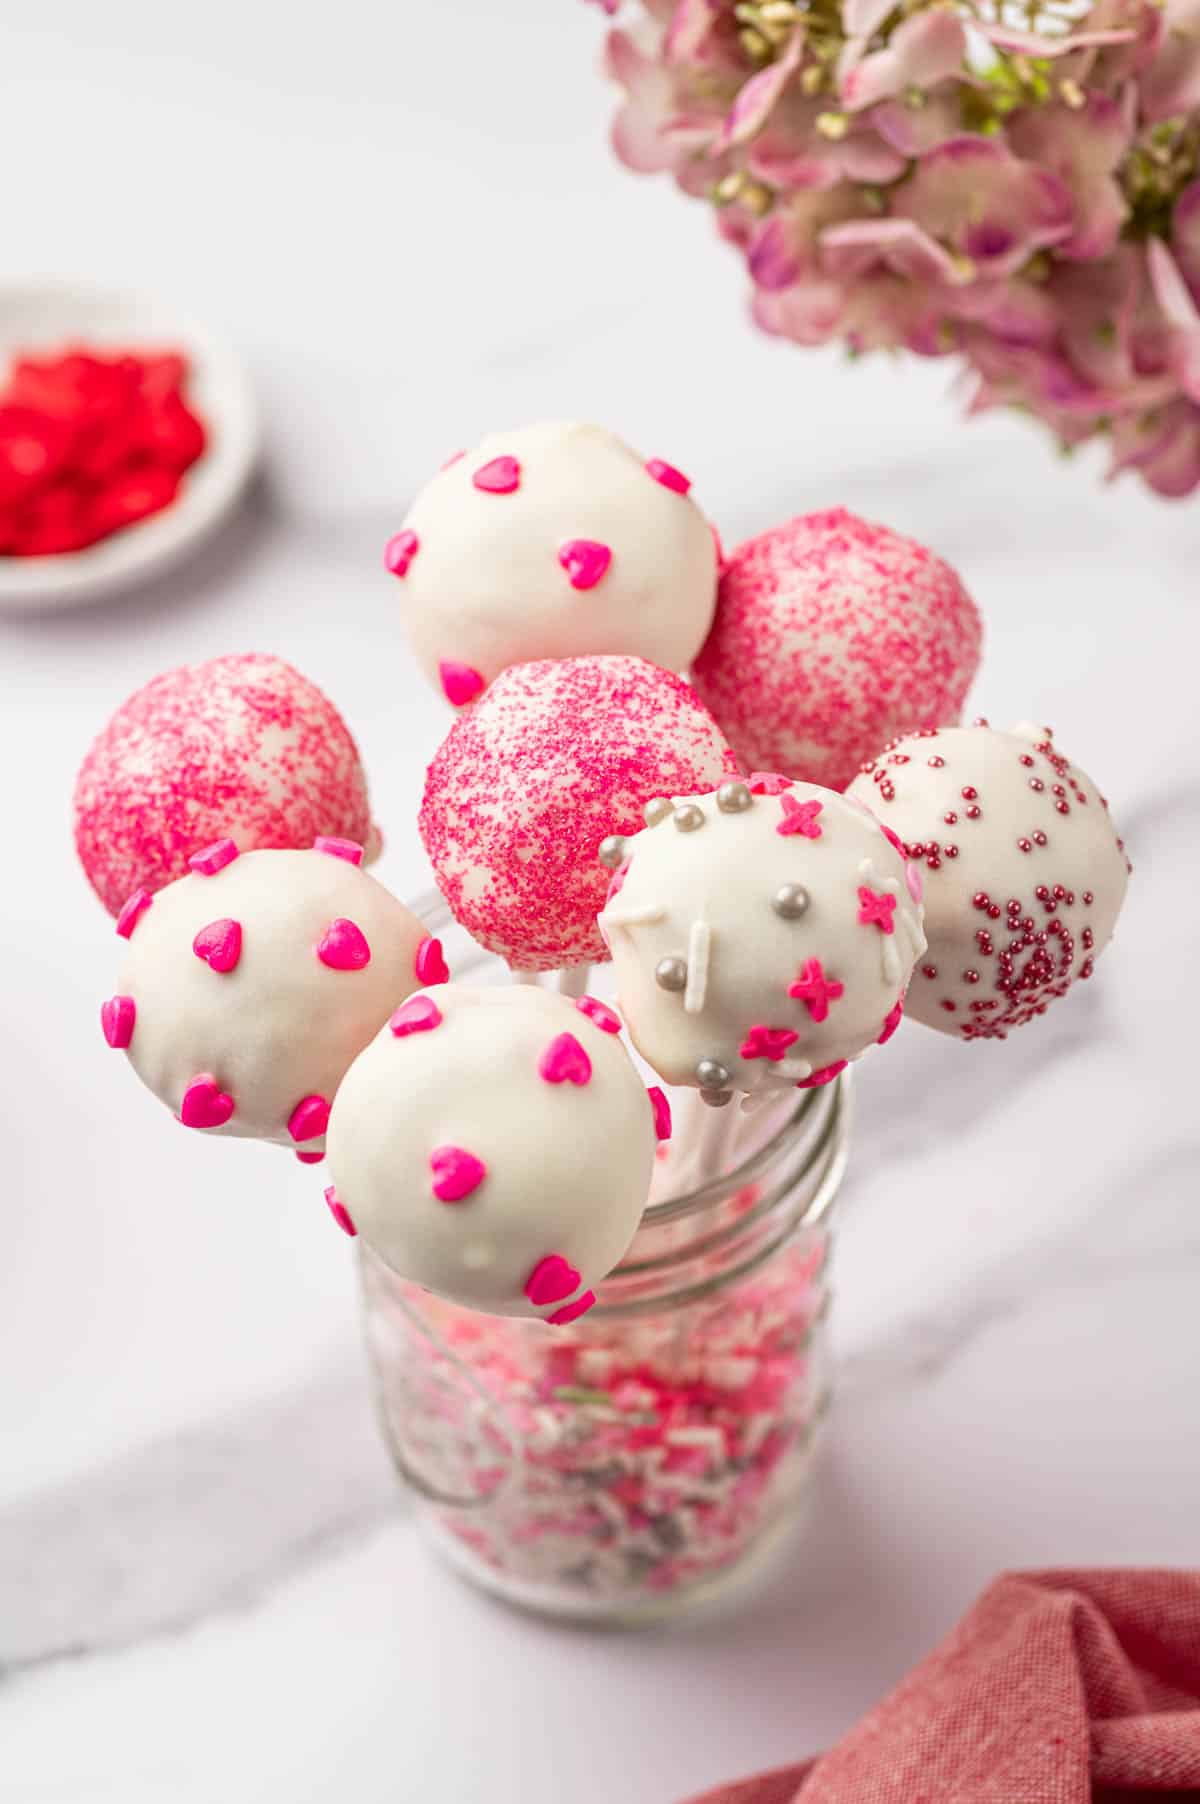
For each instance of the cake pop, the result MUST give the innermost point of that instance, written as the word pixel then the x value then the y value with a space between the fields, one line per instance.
pixel 1024 873
pixel 242 747
pixel 251 984
pixel 495 1146
pixel 554 758
pixel 831 635
pixel 762 936
pixel 551 541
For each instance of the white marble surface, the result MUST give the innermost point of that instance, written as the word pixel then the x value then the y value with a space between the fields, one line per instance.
pixel 407 219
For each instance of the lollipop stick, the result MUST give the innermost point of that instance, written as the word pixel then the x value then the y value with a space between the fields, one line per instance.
pixel 573 980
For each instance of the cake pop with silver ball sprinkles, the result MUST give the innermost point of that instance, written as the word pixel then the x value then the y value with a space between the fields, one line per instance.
pixel 556 757
pixel 832 634
pixel 496 1146
pixel 762 936
pixel 243 748
pixel 551 541
pixel 1024 872
pixel 250 985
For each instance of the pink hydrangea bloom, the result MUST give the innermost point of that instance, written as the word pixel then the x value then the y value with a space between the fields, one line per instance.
pixel 933 178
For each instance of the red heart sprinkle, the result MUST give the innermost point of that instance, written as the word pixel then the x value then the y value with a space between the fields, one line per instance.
pixel 349 849
pixel 585 561
pixel 662 1112
pixel 599 1012
pixel 214 858
pixel 499 477
pixel 429 965
pixel 416 1016
pixel 460 684
pixel 219 944
pixel 204 1104
pixel 456 1173
pixel 571 1312
pixel 133 911
pixel 565 1062
pixel 668 475
pixel 344 946
pixel 309 1118
pixel 309 1158
pixel 552 1280
pixel 117 1017
pixel 400 552
pixel 339 1212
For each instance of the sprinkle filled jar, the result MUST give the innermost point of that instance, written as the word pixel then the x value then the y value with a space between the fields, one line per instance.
pixel 637 1460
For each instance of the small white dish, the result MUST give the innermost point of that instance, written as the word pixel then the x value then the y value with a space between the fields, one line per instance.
pixel 47 316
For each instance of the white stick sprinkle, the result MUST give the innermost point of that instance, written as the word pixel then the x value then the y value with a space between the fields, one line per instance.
pixel 699 949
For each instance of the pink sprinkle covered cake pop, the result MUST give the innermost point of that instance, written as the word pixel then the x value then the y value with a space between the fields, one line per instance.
pixel 1024 872
pixel 551 761
pixel 831 635
pixel 551 541
pixel 250 985
pixel 495 1146
pixel 240 747
pixel 762 936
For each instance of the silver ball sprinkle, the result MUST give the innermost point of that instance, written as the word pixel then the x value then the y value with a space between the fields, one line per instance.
pixel 712 1075
pixel 671 974
pixel 612 851
pixel 790 901
pixel 657 809
pixel 716 1099
pixel 734 798
pixel 688 818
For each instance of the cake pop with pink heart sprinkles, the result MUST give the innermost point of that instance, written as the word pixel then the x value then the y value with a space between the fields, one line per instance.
pixel 241 748
pixel 553 759
pixel 762 936
pixel 495 1146
pixel 831 635
pixel 551 541
pixel 1024 871
pixel 251 984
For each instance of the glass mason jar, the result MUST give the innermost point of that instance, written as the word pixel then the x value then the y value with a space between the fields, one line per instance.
pixel 637 1460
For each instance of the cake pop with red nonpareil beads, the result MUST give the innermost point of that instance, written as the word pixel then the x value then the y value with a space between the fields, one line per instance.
pixel 831 634
pixel 551 541
pixel 1024 872
pixel 243 748
pixel 250 985
pixel 556 757
pixel 763 936
pixel 495 1146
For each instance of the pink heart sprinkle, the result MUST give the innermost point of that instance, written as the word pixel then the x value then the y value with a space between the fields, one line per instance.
pixel 416 1016
pixel 309 1119
pixel 565 1062
pixel 219 944
pixel 891 1022
pixel 344 946
pixel 662 1112
pixel 825 1075
pixel 339 1212
pixel 552 1280
pixel 309 1158
pixel 400 551
pixel 456 1173
pixel 915 881
pixel 429 966
pixel 585 561
pixel 214 858
pixel 349 849
pixel 117 1017
pixel 572 1311
pixel 460 684
pixel 205 1105
pixel 499 477
pixel 767 783
pixel 605 1018
pixel 133 911
pixel 454 457
pixel 668 475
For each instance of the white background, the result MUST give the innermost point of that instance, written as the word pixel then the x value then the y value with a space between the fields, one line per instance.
pixel 408 221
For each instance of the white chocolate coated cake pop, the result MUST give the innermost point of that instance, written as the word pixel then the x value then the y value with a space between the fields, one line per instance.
pixel 761 936
pixel 251 984
pixel 496 1146
pixel 1024 872
pixel 551 541
pixel 527 783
